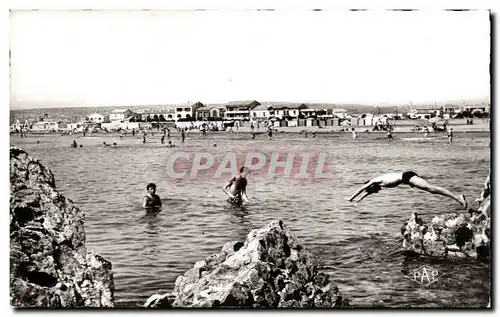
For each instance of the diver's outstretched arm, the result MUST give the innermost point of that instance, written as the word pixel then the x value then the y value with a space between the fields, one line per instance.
pixel 361 190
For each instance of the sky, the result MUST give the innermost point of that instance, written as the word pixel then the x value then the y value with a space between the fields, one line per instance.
pixel 112 58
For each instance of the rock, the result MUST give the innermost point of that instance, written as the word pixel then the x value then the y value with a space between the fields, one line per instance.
pixel 49 263
pixel 269 269
pixel 464 235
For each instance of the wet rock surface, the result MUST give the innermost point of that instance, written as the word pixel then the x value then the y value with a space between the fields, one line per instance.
pixel 269 269
pixel 49 263
pixel 459 235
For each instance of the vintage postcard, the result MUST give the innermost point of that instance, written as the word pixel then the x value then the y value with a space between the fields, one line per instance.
pixel 250 159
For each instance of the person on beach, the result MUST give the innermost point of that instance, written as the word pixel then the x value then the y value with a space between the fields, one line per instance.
pixel 133 131
pixel 390 180
pixel 450 135
pixel 104 144
pixel 426 131
pixel 144 138
pixel 170 144
pixel 314 134
pixel 151 199
pixel 270 133
pixel 354 136
pixel 305 133
pixel 114 144
pixel 236 188
pixel 168 134
pixel 183 135
pixel 389 135
pixel 162 139
pixel 74 144
pixel 253 135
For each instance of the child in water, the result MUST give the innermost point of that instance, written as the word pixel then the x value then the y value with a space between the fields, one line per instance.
pixel 151 199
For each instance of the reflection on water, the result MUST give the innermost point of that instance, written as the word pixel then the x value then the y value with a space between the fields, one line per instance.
pixel 358 245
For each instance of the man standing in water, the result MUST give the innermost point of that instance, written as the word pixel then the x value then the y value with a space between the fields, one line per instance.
pixel 151 199
pixel 270 132
pixel 236 188
pixel 354 134
pixel 183 135
pixel 450 135
pixel 390 180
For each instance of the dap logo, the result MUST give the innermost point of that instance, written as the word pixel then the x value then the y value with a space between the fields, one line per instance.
pixel 424 275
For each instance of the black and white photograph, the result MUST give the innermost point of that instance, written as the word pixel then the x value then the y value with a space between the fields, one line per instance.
pixel 250 158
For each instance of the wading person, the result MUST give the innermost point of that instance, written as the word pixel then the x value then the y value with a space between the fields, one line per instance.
pixel 236 188
pixel 354 136
pixel 151 200
pixel 390 180
pixel 162 139
pixel 183 135
pixel 450 135
pixel 270 133
pixel 389 135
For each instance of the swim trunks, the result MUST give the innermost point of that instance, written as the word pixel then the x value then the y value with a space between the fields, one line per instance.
pixel 235 200
pixel 407 176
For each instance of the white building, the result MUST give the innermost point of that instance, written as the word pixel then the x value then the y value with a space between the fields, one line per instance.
pixel 240 110
pixel 119 115
pixel 187 111
pixel 45 126
pixel 288 111
pixel 95 118
pixel 261 112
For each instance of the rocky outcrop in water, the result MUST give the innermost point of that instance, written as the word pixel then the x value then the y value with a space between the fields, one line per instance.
pixel 464 235
pixel 49 263
pixel 269 269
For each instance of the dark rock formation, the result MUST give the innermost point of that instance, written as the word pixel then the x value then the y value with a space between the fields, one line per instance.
pixel 464 235
pixel 49 264
pixel 269 269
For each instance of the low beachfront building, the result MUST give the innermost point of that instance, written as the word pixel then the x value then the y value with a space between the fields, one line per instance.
pixel 425 114
pixel 202 113
pixel 240 110
pixel 45 126
pixel 217 112
pixel 288 110
pixel 261 112
pixel 95 118
pixel 119 115
pixel 186 111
